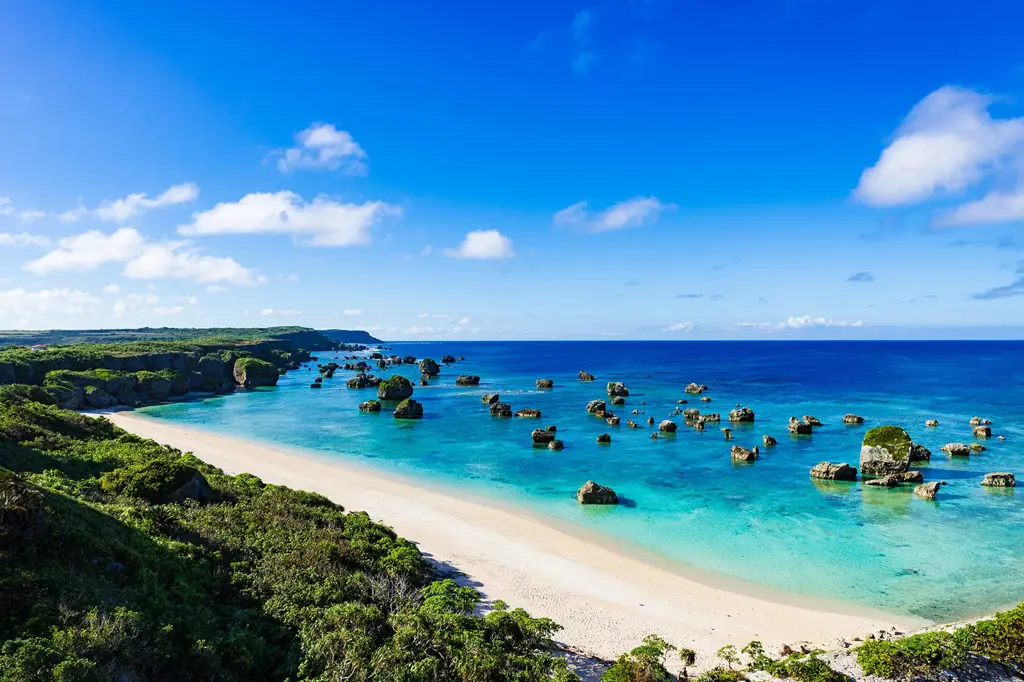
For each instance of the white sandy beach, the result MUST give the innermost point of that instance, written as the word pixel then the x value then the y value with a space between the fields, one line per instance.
pixel 607 601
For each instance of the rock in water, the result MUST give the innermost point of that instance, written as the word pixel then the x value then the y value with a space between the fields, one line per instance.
pixel 605 437
pixel 956 449
pixel 592 493
pixel 491 398
pixel 545 383
pixel 919 453
pixel 1000 479
pixel 932 422
pixel 618 400
pixel 556 445
pixel 586 376
pixel 982 431
pixel 811 421
pixel 691 414
pixel 542 437
pixel 617 388
pixel 768 441
pixel 528 413
pixel 468 380
pixel 408 409
pixel 613 420
pixel 927 491
pixel 252 372
pixel 695 389
pixel 885 450
pixel 834 472
pixel 596 405
pixel 741 414
pixel 395 388
pixel 370 406
pixel 429 368
pixel 853 419
pixel 448 359
pixel 741 454
pixel 799 427
pixel 667 426
pixel 501 409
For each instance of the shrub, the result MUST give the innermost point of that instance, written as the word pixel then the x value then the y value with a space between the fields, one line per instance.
pixel 916 655
pixel 1001 638
pixel 645 663
pixel 153 481
pixel 721 674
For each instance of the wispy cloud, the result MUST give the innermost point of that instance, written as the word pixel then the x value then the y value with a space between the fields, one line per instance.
pixel 680 327
pixel 713 297
pixel 120 210
pixel 23 240
pixel 279 312
pixel 351 312
pixel 1014 288
pixel 801 322
pixel 629 213
pixel 861 277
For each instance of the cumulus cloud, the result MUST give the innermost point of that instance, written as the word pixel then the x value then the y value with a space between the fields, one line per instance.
pixel 629 213
pixel 483 245
pixel 322 222
pixel 995 207
pixel 6 207
pixel 143 259
pixel 47 303
pixel 23 240
pixel 861 277
pixel 680 327
pixel 120 210
pixel 321 146
pixel 947 143
pixel 280 311
pixel 111 289
pixel 135 304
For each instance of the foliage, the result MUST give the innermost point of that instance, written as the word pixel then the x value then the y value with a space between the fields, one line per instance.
pixel 262 583
pixel 721 674
pixel 892 438
pixel 917 655
pixel 728 654
pixel 1001 638
pixel 802 667
pixel 645 663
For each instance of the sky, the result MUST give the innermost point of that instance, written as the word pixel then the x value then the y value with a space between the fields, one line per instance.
pixel 631 169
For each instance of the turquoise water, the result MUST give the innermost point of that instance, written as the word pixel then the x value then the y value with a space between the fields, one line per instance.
pixel 766 522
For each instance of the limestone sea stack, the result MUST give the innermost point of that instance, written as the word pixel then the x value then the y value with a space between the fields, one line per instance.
pixel 468 380
pixel 429 368
pixel 408 409
pixel 741 414
pixel 999 479
pixel 885 450
pixel 586 376
pixel 545 383
pixel 617 388
pixel 501 409
pixel 395 388
pixel 592 493
pixel 834 472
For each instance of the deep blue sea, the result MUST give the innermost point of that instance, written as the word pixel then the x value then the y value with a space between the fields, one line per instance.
pixel 766 522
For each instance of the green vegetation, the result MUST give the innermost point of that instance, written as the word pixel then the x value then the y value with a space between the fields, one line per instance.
pixel 255 372
pixel 892 438
pixel 796 666
pixel 114 567
pixel 109 336
pixel 645 663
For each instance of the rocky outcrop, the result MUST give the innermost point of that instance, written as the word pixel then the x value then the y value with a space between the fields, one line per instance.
pixel 604 438
pixel 769 441
pixel 741 414
pixel 798 427
pixel 977 447
pixel 408 409
pixel 928 491
pixel 982 431
pixel 932 422
pixel 695 389
pixel 556 445
pixel 596 405
pixel 541 437
pixel 885 450
pixel 811 420
pixel 395 388
pixel 370 406
pixel 196 488
pixel 363 381
pixel 834 472
pixel 409 360
pixel 853 419
pixel 978 421
pixel 1000 479
pixel 919 453
pixel 490 398
pixel 448 359
pixel 586 376
pixel 894 480
pixel 727 433
pixel 592 493
pixel 667 426
pixel 617 388
pixel 691 414
pixel 618 400
pixel 529 413
pixel 468 380
pixel 545 383
pixel 253 372
pixel 429 368
pixel 613 420
pixel 956 449
pixel 742 454
pixel 501 410
pixel 97 398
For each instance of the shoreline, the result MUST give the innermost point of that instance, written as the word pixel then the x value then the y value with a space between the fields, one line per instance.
pixel 606 599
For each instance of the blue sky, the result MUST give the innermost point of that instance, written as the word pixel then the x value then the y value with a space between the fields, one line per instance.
pixel 664 169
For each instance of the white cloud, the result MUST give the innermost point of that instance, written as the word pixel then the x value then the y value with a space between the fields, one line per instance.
pixel 322 146
pixel 23 240
pixel 74 215
pixel 119 210
pixel 168 311
pixel 435 316
pixel 143 259
pixel 46 303
pixel 464 321
pixel 801 322
pixel 483 244
pixel 680 327
pixel 31 215
pixel 323 221
pixel 947 143
pixel 6 207
pixel 111 289
pixel 352 311
pixel 135 304
pixel 629 213
pixel 996 207
pixel 280 311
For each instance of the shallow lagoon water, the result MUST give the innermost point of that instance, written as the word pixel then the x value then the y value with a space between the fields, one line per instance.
pixel 686 501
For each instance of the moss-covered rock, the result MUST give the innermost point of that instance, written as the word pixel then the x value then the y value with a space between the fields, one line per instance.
pixel 252 372
pixel 429 368
pixel 408 409
pixel 395 388
pixel 885 450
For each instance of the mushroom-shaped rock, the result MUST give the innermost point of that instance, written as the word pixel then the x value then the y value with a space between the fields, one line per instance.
pixel 395 388
pixel 529 413
pixel 769 441
pixel 853 419
pixel 695 388
pixel 370 406
pixel 586 376
pixel 927 491
pixel 468 380
pixel 667 426
pixel 977 447
pixel 613 420
pixel 429 368
pixel 448 359
pixel 490 398
pixel 999 479
pixel 727 433
pixel 595 405
pixel 798 427
pixel 741 414
pixel 617 388
pixel 982 431
pixel 919 453
pixel 501 409
pixel 956 449
pixel 541 437
pixel 834 472
pixel 932 422
pixel 545 383
pixel 409 359
pixel 742 454
pixel 811 420
pixel 691 414
pixel 592 493
pixel 252 372
pixel 618 400
pixel 885 450
pixel 556 445
pixel 605 438
pixel 408 409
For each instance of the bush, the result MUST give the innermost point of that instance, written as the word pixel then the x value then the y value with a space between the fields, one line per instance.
pixel 1001 638
pixel 721 674
pixel 916 655
pixel 645 663
pixel 153 481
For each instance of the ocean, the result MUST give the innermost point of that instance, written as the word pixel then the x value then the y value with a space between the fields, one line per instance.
pixel 684 499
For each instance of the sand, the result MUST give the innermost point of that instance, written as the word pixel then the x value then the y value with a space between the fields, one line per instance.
pixel 606 599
